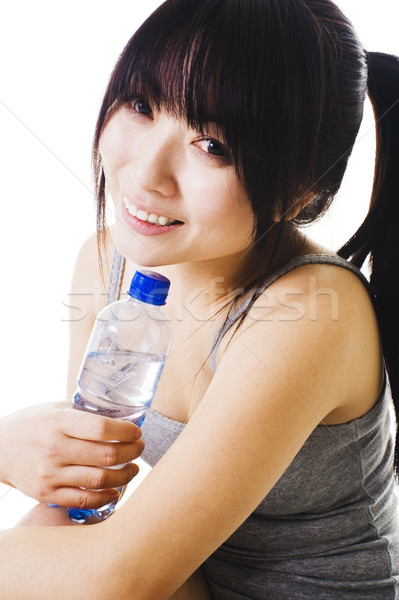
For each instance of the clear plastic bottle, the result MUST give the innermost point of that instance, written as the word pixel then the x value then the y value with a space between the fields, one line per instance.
pixel 124 360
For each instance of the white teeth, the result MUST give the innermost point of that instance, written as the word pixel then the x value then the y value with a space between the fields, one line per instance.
pixel 143 215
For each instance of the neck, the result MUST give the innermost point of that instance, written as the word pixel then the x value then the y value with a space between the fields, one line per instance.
pixel 202 288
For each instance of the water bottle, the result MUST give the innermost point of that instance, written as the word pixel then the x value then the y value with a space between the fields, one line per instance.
pixel 124 360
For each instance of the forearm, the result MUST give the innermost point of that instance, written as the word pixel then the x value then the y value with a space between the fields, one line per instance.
pixel 67 563
pixel 195 588
pixel 50 562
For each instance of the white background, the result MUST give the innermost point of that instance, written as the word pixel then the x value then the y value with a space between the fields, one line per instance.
pixel 55 60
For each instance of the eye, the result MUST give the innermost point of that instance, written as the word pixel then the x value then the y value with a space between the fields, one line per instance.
pixel 213 148
pixel 141 106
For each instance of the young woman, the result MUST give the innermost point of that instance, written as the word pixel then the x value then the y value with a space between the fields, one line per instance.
pixel 225 125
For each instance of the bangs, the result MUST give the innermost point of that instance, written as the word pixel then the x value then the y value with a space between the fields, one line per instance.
pixel 281 82
pixel 186 62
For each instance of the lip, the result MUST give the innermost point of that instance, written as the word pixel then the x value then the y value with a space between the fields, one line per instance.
pixel 145 228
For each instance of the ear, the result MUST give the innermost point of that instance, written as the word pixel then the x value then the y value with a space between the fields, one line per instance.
pixel 298 204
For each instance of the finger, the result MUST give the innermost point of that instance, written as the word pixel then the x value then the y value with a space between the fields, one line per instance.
pixel 84 425
pixel 96 454
pixel 79 498
pixel 97 478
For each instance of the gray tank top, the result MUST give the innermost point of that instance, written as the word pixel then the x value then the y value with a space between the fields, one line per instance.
pixel 329 528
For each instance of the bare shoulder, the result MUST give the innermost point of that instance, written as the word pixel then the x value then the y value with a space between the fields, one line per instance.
pixel 315 327
pixel 87 297
pixel 327 291
pixel 87 267
pixel 325 297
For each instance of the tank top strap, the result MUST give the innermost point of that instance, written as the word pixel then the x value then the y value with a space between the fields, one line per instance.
pixel 316 259
pixel 299 261
pixel 116 276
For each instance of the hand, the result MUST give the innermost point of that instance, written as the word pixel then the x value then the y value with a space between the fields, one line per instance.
pixel 51 452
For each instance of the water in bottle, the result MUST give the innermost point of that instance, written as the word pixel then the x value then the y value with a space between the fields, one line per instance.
pixel 121 386
pixel 124 359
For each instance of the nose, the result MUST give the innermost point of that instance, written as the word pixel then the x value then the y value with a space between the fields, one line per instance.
pixel 155 162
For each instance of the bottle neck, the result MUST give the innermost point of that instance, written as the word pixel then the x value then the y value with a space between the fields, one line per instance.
pixel 144 303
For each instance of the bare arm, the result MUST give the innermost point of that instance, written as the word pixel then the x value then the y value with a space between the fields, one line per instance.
pixel 261 406
pixel 86 299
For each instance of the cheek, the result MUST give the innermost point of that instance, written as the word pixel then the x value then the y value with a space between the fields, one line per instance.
pixel 237 211
pixel 226 216
pixel 113 145
pixel 227 201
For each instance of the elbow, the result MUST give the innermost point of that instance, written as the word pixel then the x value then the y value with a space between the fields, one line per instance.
pixel 120 571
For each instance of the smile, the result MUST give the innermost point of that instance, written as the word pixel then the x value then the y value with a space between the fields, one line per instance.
pixel 142 215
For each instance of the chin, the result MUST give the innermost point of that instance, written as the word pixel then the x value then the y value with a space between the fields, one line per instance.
pixel 138 256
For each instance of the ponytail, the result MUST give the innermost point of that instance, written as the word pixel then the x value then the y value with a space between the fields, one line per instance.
pixel 378 236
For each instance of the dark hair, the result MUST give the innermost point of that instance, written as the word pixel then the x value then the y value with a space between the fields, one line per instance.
pixel 284 81
pixel 378 236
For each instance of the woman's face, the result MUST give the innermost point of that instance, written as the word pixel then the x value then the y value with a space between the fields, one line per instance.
pixel 176 193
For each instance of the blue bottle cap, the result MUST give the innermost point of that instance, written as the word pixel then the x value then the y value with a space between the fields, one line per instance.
pixel 149 287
